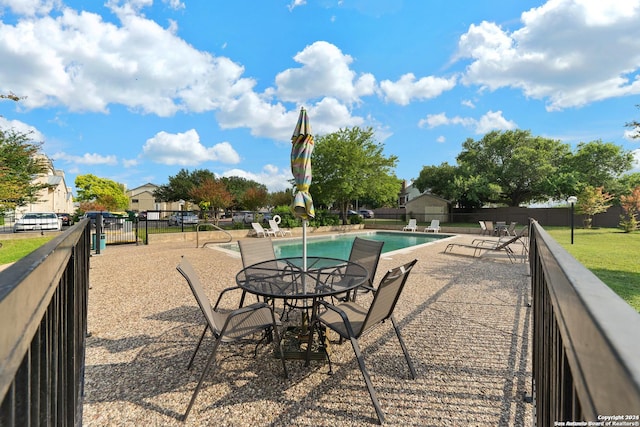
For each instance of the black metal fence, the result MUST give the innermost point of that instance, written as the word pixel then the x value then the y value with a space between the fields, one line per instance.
pixel 43 325
pixel 586 344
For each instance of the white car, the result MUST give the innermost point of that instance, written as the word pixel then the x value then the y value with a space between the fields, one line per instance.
pixel 38 221
pixel 183 218
pixel 242 216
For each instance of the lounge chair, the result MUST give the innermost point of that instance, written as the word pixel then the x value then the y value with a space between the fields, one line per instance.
pixel 490 229
pixel 481 246
pixel 483 228
pixel 434 226
pixel 260 231
pixel 351 321
pixel 277 230
pixel 228 326
pixel 412 226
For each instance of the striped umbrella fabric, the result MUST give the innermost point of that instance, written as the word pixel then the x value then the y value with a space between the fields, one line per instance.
pixel 301 149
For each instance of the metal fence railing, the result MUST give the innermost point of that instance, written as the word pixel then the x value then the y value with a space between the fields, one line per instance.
pixel 43 325
pixel 586 343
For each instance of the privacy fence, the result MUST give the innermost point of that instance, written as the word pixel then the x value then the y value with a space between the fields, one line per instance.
pixel 586 342
pixel 43 325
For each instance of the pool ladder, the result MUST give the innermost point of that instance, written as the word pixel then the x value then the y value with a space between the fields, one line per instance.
pixel 216 228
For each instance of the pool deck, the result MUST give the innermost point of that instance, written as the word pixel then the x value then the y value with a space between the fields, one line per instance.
pixel 465 320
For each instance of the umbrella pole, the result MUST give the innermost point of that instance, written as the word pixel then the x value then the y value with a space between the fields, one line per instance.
pixel 304 245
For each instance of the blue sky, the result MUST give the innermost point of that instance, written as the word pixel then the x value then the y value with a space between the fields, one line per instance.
pixel 136 90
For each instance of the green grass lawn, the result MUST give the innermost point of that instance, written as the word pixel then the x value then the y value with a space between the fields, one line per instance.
pixel 610 254
pixel 14 249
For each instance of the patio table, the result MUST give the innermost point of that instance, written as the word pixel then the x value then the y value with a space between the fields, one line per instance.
pixel 284 278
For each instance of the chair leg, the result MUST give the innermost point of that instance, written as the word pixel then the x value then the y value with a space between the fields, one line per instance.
pixel 367 379
pixel 197 347
pixel 404 349
pixel 204 372
pixel 278 344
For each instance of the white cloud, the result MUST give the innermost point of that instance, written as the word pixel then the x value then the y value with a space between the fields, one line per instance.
pixel 84 63
pixel 636 162
pixel 407 88
pixel 325 72
pixel 468 103
pixel 296 3
pixel 23 128
pixel 632 135
pixel 274 178
pixel 569 52
pixel 441 139
pixel 31 7
pixel 86 159
pixel 488 122
pixel 185 149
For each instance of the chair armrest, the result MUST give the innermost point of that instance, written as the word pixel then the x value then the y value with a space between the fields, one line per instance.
pixel 224 291
pixel 341 313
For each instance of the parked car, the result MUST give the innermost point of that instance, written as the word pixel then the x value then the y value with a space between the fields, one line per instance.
pixel 67 219
pixel 366 213
pixel 187 218
pixel 242 216
pixel 108 219
pixel 38 221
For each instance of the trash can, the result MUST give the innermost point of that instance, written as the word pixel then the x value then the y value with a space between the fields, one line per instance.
pixel 103 241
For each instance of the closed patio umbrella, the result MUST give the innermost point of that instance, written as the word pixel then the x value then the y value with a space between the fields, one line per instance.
pixel 301 149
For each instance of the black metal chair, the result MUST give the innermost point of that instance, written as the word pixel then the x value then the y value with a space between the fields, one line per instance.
pixel 350 320
pixel 228 326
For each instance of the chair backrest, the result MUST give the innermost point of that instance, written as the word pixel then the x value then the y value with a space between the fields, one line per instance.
pixel 513 239
pixel 253 251
pixel 483 226
pixel 386 296
pixel 366 253
pixel 412 222
pixel 257 227
pixel 273 225
pixel 214 319
pixel 489 225
pixel 435 223
pixel 512 227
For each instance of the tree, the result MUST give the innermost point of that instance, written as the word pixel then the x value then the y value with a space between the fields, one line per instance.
pixel 101 191
pixel 181 185
pixel 238 187
pixel 525 168
pixel 591 201
pixel 212 194
pixel 281 198
pixel 254 198
pixel 599 164
pixel 631 206
pixel 20 163
pixel 350 165
pixel 635 126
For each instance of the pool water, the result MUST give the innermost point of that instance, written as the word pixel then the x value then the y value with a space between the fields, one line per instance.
pixel 339 246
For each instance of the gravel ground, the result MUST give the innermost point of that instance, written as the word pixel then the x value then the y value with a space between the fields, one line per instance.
pixel 465 321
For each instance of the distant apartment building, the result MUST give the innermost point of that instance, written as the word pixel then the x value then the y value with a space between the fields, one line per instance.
pixel 56 196
pixel 141 199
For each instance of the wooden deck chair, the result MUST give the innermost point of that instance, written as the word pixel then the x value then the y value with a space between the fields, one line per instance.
pixel 411 226
pixel 350 320
pixel 228 326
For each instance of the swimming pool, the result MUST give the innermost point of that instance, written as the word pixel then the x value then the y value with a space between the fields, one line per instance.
pixel 339 245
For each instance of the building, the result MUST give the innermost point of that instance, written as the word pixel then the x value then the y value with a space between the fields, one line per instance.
pixel 141 199
pixel 426 207
pixel 56 196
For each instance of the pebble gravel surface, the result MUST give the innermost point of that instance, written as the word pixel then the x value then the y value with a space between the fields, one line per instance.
pixel 466 322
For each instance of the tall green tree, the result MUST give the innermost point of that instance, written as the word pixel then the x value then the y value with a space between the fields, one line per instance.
pixel 281 198
pixel 20 163
pixel 101 191
pixel 181 185
pixel 238 187
pixel 599 164
pixel 349 165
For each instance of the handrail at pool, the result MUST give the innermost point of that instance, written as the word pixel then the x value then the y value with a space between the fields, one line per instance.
pixel 586 340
